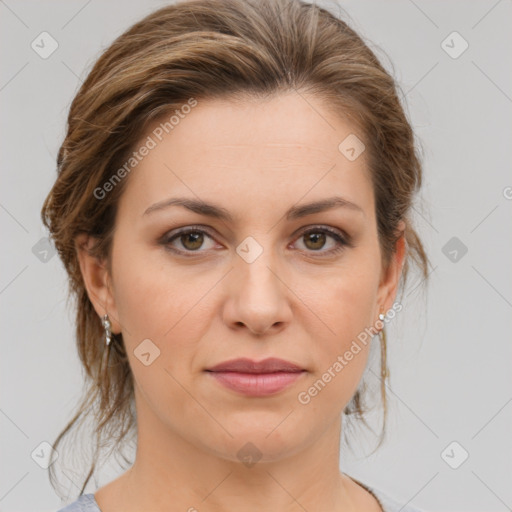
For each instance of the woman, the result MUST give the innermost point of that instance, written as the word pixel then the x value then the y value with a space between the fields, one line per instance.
pixel 232 207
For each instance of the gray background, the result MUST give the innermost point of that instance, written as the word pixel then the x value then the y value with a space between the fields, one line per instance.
pixel 450 353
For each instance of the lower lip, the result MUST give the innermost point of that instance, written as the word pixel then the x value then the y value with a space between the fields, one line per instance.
pixel 256 384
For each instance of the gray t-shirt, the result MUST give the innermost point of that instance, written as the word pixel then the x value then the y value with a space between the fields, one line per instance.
pixel 87 503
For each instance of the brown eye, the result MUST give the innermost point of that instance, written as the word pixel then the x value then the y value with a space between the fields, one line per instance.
pixel 314 241
pixel 189 241
pixel 192 240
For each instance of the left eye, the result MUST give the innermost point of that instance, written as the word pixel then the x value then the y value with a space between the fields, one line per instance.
pixel 192 239
pixel 315 239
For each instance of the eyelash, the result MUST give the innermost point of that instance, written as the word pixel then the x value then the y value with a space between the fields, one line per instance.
pixel 342 241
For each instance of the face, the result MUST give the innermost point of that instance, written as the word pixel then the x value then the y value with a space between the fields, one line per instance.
pixel 268 279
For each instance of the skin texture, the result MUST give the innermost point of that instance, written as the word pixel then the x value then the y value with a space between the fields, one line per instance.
pixel 256 159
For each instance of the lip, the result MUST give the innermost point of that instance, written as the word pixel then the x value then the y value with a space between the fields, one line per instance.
pixel 256 378
pixel 244 365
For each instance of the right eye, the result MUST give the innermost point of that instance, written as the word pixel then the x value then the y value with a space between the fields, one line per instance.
pixel 191 239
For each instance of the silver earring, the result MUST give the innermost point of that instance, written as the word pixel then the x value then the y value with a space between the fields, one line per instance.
pixel 381 317
pixel 108 333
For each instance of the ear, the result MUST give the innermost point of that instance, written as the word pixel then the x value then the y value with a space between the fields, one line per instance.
pixel 391 276
pixel 97 281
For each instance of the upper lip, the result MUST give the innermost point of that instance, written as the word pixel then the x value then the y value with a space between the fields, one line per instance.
pixel 244 365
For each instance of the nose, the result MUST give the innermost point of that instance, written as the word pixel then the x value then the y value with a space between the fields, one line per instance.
pixel 259 299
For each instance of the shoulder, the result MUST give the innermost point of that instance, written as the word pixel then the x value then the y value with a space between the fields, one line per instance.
pixel 388 504
pixel 84 503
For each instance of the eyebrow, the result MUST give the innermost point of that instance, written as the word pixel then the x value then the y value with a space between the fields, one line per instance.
pixel 217 212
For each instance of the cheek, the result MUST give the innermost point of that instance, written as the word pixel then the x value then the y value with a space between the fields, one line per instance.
pixel 340 358
pixel 161 306
pixel 152 297
pixel 345 302
pixel 355 299
pixel 158 302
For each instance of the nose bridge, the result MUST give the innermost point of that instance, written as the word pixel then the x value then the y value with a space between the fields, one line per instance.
pixel 256 264
pixel 260 300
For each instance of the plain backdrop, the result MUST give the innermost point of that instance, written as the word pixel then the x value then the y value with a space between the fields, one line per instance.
pixel 449 445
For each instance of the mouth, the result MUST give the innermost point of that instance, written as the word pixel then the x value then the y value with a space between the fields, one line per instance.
pixel 252 378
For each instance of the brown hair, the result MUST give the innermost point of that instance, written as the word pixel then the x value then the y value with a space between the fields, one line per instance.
pixel 211 49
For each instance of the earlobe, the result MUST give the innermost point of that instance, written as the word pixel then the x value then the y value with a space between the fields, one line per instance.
pixel 96 279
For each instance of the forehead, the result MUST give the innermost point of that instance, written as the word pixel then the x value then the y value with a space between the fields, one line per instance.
pixel 271 151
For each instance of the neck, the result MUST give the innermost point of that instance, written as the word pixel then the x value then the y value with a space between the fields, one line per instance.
pixel 173 473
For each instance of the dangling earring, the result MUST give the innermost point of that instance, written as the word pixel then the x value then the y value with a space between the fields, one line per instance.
pixel 108 333
pixel 384 373
pixel 383 363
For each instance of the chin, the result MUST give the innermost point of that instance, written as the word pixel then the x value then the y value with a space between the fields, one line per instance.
pixel 258 440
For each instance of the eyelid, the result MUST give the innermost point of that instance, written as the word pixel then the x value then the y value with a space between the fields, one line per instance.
pixel 322 227
pixel 343 239
pixel 173 233
pixel 340 236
